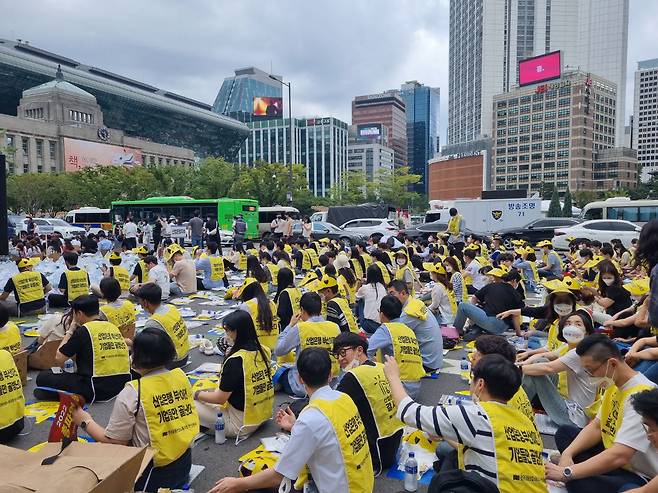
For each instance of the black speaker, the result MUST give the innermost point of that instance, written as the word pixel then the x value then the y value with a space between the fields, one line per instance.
pixel 4 236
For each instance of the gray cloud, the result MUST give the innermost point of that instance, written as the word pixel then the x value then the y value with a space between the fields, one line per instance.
pixel 330 50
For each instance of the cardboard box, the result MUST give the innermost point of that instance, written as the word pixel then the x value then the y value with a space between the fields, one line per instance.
pixel 20 359
pixel 85 467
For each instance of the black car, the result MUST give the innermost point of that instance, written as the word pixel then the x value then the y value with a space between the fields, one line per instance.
pixel 427 229
pixel 327 230
pixel 537 230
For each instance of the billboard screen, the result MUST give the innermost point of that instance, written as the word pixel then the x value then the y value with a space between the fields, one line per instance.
pixel 79 154
pixel 268 107
pixel 540 68
pixel 369 130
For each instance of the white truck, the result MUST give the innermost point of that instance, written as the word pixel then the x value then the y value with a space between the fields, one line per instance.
pixel 487 215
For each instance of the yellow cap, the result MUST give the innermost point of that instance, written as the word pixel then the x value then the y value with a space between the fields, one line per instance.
pixel 247 282
pixel 560 287
pixel 431 267
pixel 544 243
pixel 472 246
pixel 324 240
pixel 115 256
pixel 552 284
pixel 310 277
pixel 140 250
pixel 496 272
pixel 326 282
pixel 638 287
pixel 572 283
pixel 194 249
pixel 518 242
pixel 22 263
pixel 171 250
pixel 570 238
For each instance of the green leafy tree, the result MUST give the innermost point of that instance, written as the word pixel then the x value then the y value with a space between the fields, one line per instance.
pixel 582 198
pixel 567 207
pixel 554 208
pixel 546 190
pixel 214 178
pixel 393 187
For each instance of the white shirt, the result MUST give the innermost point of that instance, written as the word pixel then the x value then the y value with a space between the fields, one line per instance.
pixel 478 280
pixel 631 433
pixel 160 276
pixel 582 391
pixel 372 296
pixel 441 302
pixel 313 442
pixel 130 230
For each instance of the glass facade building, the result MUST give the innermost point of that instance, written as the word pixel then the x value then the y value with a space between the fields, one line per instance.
pixel 236 96
pixel 320 144
pixel 138 109
pixel 422 110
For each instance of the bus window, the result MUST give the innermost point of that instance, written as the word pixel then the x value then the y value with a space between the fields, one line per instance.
pixel 647 213
pixel 595 213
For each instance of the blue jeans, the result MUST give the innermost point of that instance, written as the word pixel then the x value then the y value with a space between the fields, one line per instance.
pixel 480 318
pixel 553 403
pixel 197 241
pixel 548 274
pixel 649 368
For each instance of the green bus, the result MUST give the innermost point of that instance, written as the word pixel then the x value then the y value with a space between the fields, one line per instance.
pixel 183 207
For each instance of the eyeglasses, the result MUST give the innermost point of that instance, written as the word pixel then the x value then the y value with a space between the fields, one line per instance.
pixel 342 352
pixel 591 372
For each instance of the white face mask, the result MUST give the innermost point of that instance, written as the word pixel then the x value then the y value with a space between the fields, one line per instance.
pixel 448 268
pixel 401 261
pixel 352 364
pixel 573 334
pixel 563 309
pixel 608 281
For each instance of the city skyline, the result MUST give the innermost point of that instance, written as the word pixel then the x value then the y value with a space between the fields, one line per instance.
pixel 329 54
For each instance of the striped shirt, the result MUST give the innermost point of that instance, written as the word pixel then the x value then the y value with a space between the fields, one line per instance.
pixel 467 425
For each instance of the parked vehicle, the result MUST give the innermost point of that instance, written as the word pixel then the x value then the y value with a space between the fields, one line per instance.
pixel 327 230
pixel 601 230
pixel 537 230
pixel 370 226
pixel 341 214
pixel 426 229
pixel 267 214
pixel 635 211
pixel 95 219
pixel 47 226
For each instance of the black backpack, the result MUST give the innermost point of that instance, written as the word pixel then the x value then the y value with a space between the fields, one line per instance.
pixel 458 481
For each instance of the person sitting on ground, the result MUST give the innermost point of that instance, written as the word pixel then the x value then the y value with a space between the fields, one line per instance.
pixel 287 296
pixel 74 282
pixel 136 417
pixel 444 302
pixel 338 309
pixel 419 319
pixel 646 405
pixel 526 262
pixel 140 271
pixel 156 274
pixel 306 329
pixel 10 334
pixel 369 297
pixel 404 271
pixel 395 338
pixel 568 399
pixel 643 357
pixel 115 271
pixel 167 318
pixel 212 266
pixel 611 296
pixel 364 381
pixel 29 289
pixel 119 312
pixel 262 311
pixel 494 299
pixel 328 437
pixel 612 450
pixel 183 274
pixel 472 277
pixel 551 267
pixel 488 430
pixel 245 386
pixel 101 369
pixel 53 329
pixel 12 400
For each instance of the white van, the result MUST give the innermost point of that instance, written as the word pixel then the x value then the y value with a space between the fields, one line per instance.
pixel 267 214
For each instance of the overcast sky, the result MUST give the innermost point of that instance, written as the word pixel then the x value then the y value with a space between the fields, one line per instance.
pixel 331 50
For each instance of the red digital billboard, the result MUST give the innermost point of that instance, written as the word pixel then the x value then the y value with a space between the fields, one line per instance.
pixel 268 107
pixel 540 68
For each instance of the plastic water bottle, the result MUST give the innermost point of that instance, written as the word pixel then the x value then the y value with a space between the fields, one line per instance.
pixel 220 432
pixel 411 473
pixel 464 368
pixel 310 487
pixel 69 366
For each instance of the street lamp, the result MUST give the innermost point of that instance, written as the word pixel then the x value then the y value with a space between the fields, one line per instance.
pixel 288 85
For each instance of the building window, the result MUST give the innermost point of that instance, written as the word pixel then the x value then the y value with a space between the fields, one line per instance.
pixel 52 151
pixel 34 113
pixel 39 144
pixel 25 142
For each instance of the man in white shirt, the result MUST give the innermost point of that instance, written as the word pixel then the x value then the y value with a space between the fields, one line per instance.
pixel 313 440
pixel 645 403
pixel 130 234
pixel 157 274
pixel 596 458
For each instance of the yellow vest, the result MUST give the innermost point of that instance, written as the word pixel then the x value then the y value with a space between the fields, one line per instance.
pixel 399 275
pixel 120 316
pixel 377 390
pixel 367 259
pixel 552 342
pixel 77 283
pixel 266 339
pixel 109 349
pixel 274 273
pixel 252 251
pixel 295 296
pixel 28 286
pixel 144 271
pixel 351 435
pixel 320 334
pixel 385 273
pixel 350 291
pixel 12 400
pixel 121 275
pixel 313 257
pixel 521 403
pixel 406 351
pixel 612 411
pixel 518 450
pixel 306 260
pixel 416 308
pixel 170 413
pixel 358 270
pixel 347 311
pixel 258 389
pixel 174 325
pixel 453 225
pixel 242 263
pixel 216 268
pixel 10 338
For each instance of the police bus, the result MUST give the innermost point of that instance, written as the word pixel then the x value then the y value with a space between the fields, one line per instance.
pixel 92 219
pixel 183 207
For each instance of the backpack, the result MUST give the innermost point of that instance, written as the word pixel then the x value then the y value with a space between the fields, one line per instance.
pixel 450 336
pixel 240 227
pixel 458 481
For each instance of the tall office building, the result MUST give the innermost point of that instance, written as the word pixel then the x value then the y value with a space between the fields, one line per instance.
pixel 320 145
pixel 236 96
pixel 422 109
pixel 645 117
pixel 387 108
pixel 489 37
pixel 366 153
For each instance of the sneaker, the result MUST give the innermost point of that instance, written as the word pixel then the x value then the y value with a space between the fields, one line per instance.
pixel 473 334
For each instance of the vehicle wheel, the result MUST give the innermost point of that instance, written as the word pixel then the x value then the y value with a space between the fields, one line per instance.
pixel 346 241
pixel 507 242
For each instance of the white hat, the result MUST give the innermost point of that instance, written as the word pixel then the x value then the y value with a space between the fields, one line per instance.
pixel 341 261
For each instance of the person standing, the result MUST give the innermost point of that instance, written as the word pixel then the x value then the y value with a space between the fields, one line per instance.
pixel 130 234
pixel 239 229
pixel 287 225
pixel 456 226
pixel 307 228
pixel 157 233
pixel 212 232
pixel 195 226
pixel 276 226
